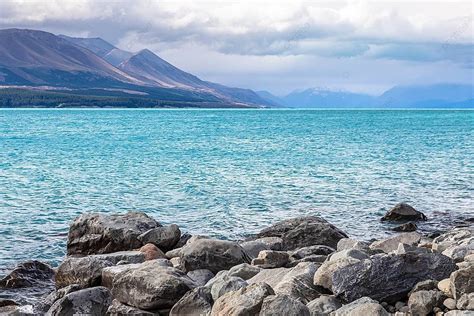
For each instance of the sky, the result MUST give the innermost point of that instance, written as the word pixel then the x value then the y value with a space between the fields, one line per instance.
pixel 278 46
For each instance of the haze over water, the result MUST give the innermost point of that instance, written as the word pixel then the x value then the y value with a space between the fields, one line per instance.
pixel 226 173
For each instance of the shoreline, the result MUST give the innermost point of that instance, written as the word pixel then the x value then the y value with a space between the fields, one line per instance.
pixel 136 265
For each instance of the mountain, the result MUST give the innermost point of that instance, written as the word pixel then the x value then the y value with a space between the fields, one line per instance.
pixel 276 101
pixel 322 98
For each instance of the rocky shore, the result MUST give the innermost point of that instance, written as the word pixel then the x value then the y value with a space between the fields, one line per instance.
pixel 130 264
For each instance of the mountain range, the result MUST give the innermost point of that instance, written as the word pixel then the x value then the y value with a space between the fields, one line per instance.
pixel 38 68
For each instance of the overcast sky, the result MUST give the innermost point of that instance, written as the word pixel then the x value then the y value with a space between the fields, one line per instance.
pixel 277 46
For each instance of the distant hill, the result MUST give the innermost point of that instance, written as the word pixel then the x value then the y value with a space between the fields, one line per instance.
pixel 323 98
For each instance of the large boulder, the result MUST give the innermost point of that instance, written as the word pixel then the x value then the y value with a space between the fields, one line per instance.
pixel 423 302
pixel 304 231
pixel 389 277
pixel 87 271
pixel 201 276
pixel 316 250
pixel 268 259
pixel 283 305
pixel 244 271
pixel 29 274
pixel 100 233
pixel 323 305
pixel 457 243
pixel 403 212
pixel 391 244
pixel 270 276
pixel 214 255
pixel 324 275
pixel 151 286
pixel 226 284
pixel 195 302
pixel 92 301
pixel 253 247
pixel 298 283
pixel 245 301
pixel 163 237
pixel 462 282
pixel 362 307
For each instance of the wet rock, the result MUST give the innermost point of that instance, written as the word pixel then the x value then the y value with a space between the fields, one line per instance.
pixel 268 259
pixel 253 247
pixel 456 243
pixel 29 274
pixel 298 283
pixel 466 301
pixel 151 286
pixel 226 284
pixel 200 276
pixel 423 302
pixel 195 302
pixel 163 237
pixel 311 251
pixel 362 307
pixel 407 227
pixel 87 271
pixel 45 303
pixel 323 305
pixel 101 233
pixel 151 252
pixel 389 277
pixel 348 243
pixel 403 212
pixel 462 282
pixel 391 244
pixel 119 309
pixel 244 271
pixel 283 305
pixel 245 301
pixel 304 231
pixel 91 301
pixel 214 255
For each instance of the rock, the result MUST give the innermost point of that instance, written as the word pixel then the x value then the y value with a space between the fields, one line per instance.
pixel 151 252
pixel 45 303
pixel 245 301
pixel 200 276
pixel 324 275
pixel 173 253
pixel 87 271
pixel 108 273
pixel 323 305
pixel 244 271
pixel 91 301
pixel 314 258
pixel 253 247
pixel 151 286
pixel 458 313
pixel 304 231
pixel 268 259
pixel 270 276
pixel 349 253
pixel 7 302
pixel 183 240
pixel 119 309
pixel 404 248
pixel 466 301
pixel 348 243
pixel 29 274
pixel 426 285
pixel 283 305
pixel 407 227
pixel 422 302
pixel 298 283
pixel 100 233
pixel 449 303
pixel 195 302
pixel 444 286
pixel 226 284
pixel 162 237
pixel 403 212
pixel 456 243
pixel 462 282
pixel 389 277
pixel 214 255
pixel 312 250
pixel 176 262
pixel 362 307
pixel 391 244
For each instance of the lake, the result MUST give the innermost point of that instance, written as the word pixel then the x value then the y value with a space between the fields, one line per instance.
pixel 227 173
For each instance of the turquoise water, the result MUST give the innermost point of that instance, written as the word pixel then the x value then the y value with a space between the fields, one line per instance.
pixel 226 173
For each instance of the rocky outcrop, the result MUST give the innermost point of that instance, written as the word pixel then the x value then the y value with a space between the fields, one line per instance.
pixel 92 301
pixel 214 255
pixel 457 243
pixel 282 305
pixel 407 227
pixel 164 238
pixel 196 302
pixel 29 274
pixel 403 212
pixel 100 233
pixel 304 231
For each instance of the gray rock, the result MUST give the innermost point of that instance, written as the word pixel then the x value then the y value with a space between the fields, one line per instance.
pixel 423 302
pixel 196 302
pixel 214 255
pixel 298 283
pixel 466 301
pixel 44 303
pixel 391 244
pixel 283 305
pixel 164 238
pixel 403 212
pixel 183 240
pixel 324 275
pixel 314 258
pixel 389 277
pixel 270 276
pixel 462 282
pixel 245 301
pixel 200 276
pixel 426 285
pixel 404 248
pixel 219 275
pixel 244 271
pixel 253 247
pixel 459 313
pixel 119 309
pixel 407 227
pixel 87 271
pixel 349 253
pixel 362 307
pixel 101 233
pixel 323 305
pixel 108 274
pixel 348 243
pixel 457 243
pixel 311 251
pixel 226 284
pixel 449 303
pixel 29 274
pixel 91 301
pixel 173 253
pixel 268 259
pixel 304 231
pixel 151 286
